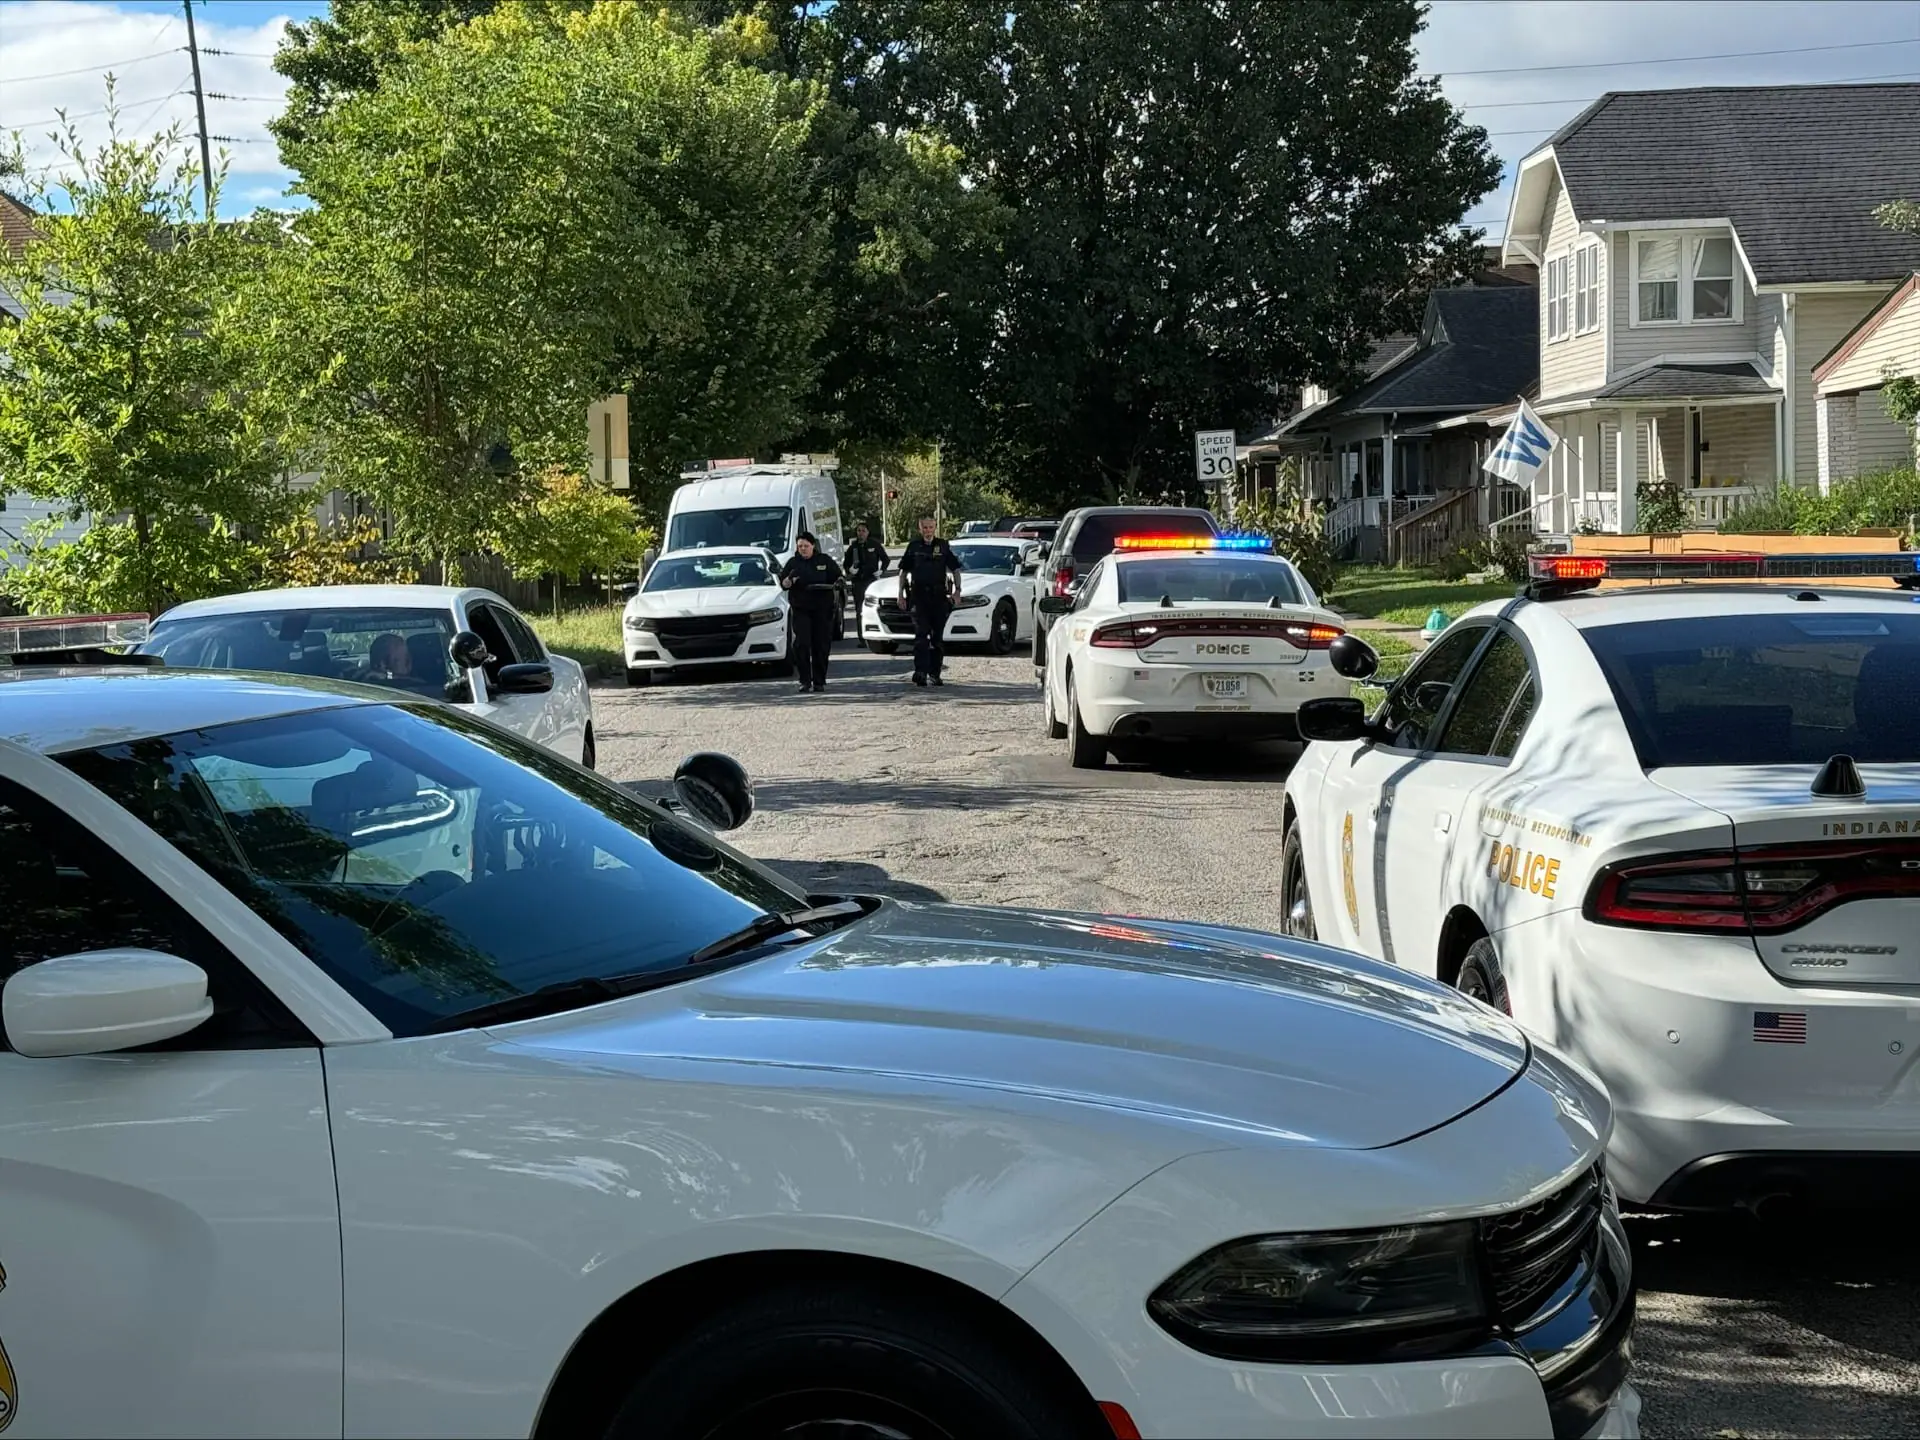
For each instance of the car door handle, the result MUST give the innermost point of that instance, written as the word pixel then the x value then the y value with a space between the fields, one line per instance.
pixel 1442 825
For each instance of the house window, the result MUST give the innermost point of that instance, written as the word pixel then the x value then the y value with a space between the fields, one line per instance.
pixel 1586 289
pixel 1712 277
pixel 1559 297
pixel 1659 279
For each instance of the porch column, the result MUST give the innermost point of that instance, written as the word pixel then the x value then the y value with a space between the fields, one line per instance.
pixel 1588 479
pixel 1836 421
pixel 1627 473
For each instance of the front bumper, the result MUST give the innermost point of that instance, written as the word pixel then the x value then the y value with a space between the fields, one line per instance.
pixel 886 622
pixel 719 645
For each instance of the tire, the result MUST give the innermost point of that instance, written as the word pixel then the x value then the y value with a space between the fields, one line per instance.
pixel 1089 750
pixel 1296 902
pixel 1004 633
pixel 588 753
pixel 837 1360
pixel 1039 649
pixel 883 647
pixel 1482 978
pixel 639 679
pixel 1055 730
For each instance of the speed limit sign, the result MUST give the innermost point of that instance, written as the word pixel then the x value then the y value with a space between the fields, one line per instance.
pixel 1213 456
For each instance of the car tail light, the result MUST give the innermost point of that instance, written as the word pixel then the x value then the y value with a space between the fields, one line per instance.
pixel 1313 637
pixel 1764 891
pixel 1126 634
pixel 1132 634
pixel 1063 580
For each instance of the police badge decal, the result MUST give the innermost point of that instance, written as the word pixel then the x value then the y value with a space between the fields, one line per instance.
pixel 1346 873
pixel 9 1390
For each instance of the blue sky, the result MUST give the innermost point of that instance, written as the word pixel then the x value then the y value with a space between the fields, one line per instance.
pixel 1519 67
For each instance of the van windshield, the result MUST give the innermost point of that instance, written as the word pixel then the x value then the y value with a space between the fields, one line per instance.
pixel 762 526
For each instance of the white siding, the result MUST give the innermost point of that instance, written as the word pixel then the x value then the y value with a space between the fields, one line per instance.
pixel 1634 345
pixel 1894 345
pixel 20 512
pixel 1739 444
pixel 1820 322
pixel 1881 442
pixel 1578 362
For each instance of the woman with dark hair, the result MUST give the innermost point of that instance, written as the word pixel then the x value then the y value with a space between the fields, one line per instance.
pixel 812 582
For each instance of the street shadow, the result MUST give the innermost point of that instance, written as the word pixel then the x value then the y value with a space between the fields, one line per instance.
pixel 1241 762
pixel 852 877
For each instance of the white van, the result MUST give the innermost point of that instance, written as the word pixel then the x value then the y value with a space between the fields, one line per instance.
pixel 764 506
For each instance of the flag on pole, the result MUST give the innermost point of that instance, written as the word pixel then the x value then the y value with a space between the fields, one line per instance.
pixel 1522 452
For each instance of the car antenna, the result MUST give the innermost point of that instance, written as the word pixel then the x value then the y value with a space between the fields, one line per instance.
pixel 1166 602
pixel 1839 778
pixel 1273 602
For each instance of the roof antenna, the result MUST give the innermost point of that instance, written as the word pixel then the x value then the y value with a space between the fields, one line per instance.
pixel 1840 779
pixel 1273 602
pixel 1166 602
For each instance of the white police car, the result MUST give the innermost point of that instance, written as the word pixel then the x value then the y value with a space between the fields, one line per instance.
pixel 369 1071
pixel 1176 638
pixel 708 606
pixel 994 608
pixel 1675 831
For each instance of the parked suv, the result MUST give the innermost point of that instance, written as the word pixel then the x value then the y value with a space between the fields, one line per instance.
pixel 1086 537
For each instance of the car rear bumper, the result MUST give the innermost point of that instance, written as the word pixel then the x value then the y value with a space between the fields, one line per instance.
pixel 1838 1179
pixel 1203 725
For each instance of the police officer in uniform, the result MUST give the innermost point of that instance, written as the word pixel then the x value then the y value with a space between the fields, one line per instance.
pixel 812 583
pixel 929 581
pixel 866 562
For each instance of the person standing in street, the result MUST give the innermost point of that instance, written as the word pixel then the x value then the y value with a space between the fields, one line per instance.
pixel 929 583
pixel 866 563
pixel 812 582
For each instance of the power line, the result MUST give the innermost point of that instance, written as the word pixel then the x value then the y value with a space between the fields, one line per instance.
pixel 110 65
pixel 1677 59
pixel 238 54
pixel 1550 129
pixel 246 99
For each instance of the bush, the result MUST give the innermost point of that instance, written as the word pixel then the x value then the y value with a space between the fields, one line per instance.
pixel 1886 500
pixel 1662 511
pixel 1507 554
pixel 1296 532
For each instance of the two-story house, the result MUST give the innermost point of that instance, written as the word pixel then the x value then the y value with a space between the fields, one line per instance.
pixel 1700 253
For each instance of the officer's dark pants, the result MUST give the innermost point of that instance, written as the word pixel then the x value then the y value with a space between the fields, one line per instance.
pixel 929 633
pixel 859 588
pixel 812 642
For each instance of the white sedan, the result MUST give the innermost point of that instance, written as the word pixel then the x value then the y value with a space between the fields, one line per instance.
pixel 370 1072
pixel 995 608
pixel 1180 639
pixel 464 645
pixel 1675 831
pixel 718 606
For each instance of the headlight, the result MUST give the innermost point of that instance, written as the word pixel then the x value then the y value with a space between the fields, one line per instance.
pixel 872 602
pixel 969 602
pixel 763 617
pixel 1317 1299
pixel 641 622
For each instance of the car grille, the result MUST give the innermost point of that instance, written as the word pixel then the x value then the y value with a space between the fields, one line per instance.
pixel 1532 1252
pixel 701 637
pixel 895 617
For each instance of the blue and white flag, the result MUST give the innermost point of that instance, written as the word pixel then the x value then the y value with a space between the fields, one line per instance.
pixel 1522 452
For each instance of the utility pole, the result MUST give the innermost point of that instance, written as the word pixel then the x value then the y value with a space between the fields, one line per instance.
pixel 200 105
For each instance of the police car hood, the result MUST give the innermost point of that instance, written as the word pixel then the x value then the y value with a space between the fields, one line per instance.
pixel 704 600
pixel 972 582
pixel 1224 1030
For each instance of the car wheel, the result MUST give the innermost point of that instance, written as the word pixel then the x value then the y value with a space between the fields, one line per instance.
pixel 1482 978
pixel 883 647
pixel 1055 730
pixel 1005 629
pixel 1089 750
pixel 840 1361
pixel 587 751
pixel 638 678
pixel 1296 902
pixel 1039 650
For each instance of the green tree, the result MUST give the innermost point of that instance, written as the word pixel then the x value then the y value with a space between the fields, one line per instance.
pixel 1210 202
pixel 1901 393
pixel 126 392
pixel 564 527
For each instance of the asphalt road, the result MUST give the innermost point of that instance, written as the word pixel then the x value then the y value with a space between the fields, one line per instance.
pixel 1810 1327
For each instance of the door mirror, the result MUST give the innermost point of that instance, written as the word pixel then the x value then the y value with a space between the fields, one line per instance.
pixel 469 651
pixel 715 790
pixel 102 1000
pixel 1353 657
pixel 529 678
pixel 1336 719
pixel 1053 604
pixel 1428 698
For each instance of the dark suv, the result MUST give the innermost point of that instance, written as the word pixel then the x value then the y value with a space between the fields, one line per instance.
pixel 1086 537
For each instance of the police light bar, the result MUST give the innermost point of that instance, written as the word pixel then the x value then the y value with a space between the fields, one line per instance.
pixel 70 632
pixel 1193 542
pixel 1565 574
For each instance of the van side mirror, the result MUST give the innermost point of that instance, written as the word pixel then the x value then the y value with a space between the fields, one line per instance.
pixel 1353 657
pixel 102 1000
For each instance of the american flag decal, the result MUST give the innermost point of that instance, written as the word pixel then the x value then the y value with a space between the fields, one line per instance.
pixel 1779 1027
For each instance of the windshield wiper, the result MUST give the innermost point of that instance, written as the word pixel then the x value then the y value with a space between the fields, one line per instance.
pixel 561 995
pixel 768 926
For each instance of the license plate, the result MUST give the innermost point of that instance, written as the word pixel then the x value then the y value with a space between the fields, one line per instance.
pixel 1225 687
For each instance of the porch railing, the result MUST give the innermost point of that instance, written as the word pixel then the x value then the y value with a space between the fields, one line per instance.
pixel 1712 505
pixel 1344 522
pixel 1423 535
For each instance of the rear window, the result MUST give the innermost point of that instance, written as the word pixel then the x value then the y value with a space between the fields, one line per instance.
pixel 1097 533
pixel 1209 580
pixel 1767 689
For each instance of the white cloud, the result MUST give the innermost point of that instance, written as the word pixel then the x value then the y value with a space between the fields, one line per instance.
pixel 43 42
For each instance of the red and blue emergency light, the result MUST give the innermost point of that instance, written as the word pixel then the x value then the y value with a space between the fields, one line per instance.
pixel 1552 575
pixel 1254 543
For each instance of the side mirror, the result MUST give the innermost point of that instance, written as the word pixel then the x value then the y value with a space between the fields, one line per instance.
pixel 1352 657
pixel 715 789
pixel 1336 719
pixel 102 1000
pixel 1431 696
pixel 1053 605
pixel 469 651
pixel 530 678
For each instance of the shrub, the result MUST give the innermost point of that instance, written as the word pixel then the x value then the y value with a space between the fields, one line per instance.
pixel 1886 500
pixel 1297 533
pixel 1662 511
pixel 1507 554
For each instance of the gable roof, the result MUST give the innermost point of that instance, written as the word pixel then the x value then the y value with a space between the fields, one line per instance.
pixel 16 223
pixel 1798 169
pixel 1479 345
pixel 1870 324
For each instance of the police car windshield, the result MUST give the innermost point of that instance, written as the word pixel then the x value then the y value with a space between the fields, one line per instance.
pixel 432 864
pixel 1209 579
pixel 1767 689
pixel 693 574
pixel 988 559
pixel 761 526
pixel 402 649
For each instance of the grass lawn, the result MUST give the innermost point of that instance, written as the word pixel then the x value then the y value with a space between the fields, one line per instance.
pixel 1406 596
pixel 590 636
pixel 1395 654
